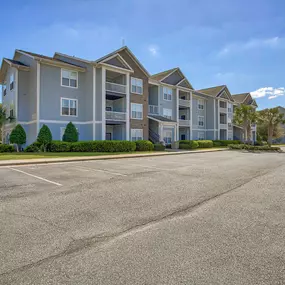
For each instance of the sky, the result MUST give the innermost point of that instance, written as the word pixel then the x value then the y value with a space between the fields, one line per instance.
pixel 234 42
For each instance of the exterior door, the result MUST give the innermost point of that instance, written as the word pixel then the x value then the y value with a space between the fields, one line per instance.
pixel 108 136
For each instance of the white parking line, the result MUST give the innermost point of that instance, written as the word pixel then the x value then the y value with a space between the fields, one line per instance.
pixel 40 178
pixel 101 170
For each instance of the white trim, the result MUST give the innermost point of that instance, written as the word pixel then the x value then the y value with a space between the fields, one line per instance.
pixel 177 105
pixel 131 91
pixel 219 135
pixel 94 102
pixel 38 95
pixel 203 104
pixel 71 57
pixel 26 54
pixel 128 107
pixel 135 130
pixel 191 116
pixel 120 58
pixel 69 79
pixel 168 74
pixel 204 130
pixel 27 123
pixel 201 120
pixel 167 93
pixel 103 103
pixel 136 111
pixel 66 122
pixel 227 135
pixel 77 107
pixel 116 68
pixel 162 122
pixel 16 93
pixel 201 132
pixel 215 118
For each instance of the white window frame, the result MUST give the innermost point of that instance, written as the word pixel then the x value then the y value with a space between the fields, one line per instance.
pixel 201 119
pixel 168 92
pixel 68 86
pixel 62 130
pixel 166 136
pixel 69 99
pixel 134 134
pixel 135 81
pixel 230 107
pixel 167 113
pixel 133 109
pixel 11 80
pixel 200 104
pixel 201 136
pixel 4 88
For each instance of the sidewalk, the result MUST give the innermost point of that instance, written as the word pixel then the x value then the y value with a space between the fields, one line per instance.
pixel 103 157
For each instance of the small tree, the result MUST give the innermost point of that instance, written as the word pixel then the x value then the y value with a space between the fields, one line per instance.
pixel 18 136
pixel 44 137
pixel 70 133
pixel 271 118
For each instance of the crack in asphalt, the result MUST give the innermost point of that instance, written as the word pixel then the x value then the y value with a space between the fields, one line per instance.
pixel 97 240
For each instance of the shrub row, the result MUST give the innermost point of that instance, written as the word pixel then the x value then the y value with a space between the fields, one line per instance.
pixel 144 145
pixel 159 147
pixel 6 148
pixel 254 147
pixel 225 142
pixel 188 144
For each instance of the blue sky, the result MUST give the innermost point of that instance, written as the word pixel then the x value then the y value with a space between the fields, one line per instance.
pixel 238 43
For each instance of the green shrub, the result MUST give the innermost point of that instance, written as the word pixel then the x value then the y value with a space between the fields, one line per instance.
pixel 18 136
pixel 191 144
pixel 159 147
pixel 215 143
pixel 6 148
pixel 44 137
pixel 226 142
pixel 253 147
pixel 34 147
pixel 144 145
pixel 70 133
pixel 205 143
pixel 184 146
pixel 59 146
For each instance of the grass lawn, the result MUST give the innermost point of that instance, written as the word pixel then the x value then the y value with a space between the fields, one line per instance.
pixel 26 155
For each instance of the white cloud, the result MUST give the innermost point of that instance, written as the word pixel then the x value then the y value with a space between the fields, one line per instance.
pixel 269 92
pixel 154 50
pixel 274 42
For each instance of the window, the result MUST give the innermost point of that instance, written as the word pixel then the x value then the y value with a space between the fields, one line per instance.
pixel 183 137
pixel 201 121
pixel 4 89
pixel 182 117
pixel 167 137
pixel 201 136
pixel 69 78
pixel 167 113
pixel 136 134
pixel 167 93
pixel 62 130
pixel 230 108
pixel 12 81
pixel 201 104
pixel 137 111
pixel 69 107
pixel 137 85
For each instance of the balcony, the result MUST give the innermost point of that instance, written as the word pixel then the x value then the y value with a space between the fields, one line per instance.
pixel 115 87
pixel 153 109
pixel 184 103
pixel 230 125
pixel 115 116
pixel 223 126
pixel 184 123
pixel 223 110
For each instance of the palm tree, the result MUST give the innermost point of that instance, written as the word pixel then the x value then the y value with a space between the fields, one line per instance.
pixel 271 118
pixel 245 116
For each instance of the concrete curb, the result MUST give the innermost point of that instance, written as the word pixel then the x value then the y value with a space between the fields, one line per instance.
pixel 105 157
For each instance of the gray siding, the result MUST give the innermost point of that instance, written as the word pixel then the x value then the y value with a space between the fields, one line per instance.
pixel 173 79
pixel 196 113
pixel 153 95
pixel 168 104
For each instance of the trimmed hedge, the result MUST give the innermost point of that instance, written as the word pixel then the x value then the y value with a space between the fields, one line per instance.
pixel 6 148
pixel 205 143
pixel 93 146
pixel 34 147
pixel 254 147
pixel 188 144
pixel 144 145
pixel 159 147
pixel 225 142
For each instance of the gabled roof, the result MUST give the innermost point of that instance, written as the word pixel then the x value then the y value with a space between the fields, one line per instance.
pixel 49 60
pixel 217 91
pixel 162 76
pixel 129 53
pixel 244 98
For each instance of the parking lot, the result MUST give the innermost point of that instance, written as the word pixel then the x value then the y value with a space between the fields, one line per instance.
pixel 207 218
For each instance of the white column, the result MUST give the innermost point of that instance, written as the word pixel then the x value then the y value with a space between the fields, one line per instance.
pixel 38 95
pixel 177 132
pixel 94 103
pixel 215 118
pixel 177 105
pixel 219 137
pixel 16 94
pixel 103 103
pixel 128 107
pixel 191 112
pixel 227 120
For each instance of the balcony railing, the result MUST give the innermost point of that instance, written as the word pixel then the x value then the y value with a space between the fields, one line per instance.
pixel 230 125
pixel 184 103
pixel 153 109
pixel 115 87
pixel 223 110
pixel 115 116
pixel 223 125
pixel 184 123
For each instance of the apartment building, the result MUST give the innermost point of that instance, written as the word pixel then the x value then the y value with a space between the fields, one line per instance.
pixel 112 98
pixel 105 99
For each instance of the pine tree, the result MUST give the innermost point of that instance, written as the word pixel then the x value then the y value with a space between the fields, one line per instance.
pixel 44 136
pixel 18 136
pixel 70 133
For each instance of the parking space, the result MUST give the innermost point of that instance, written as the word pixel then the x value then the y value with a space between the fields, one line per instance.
pixel 50 211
